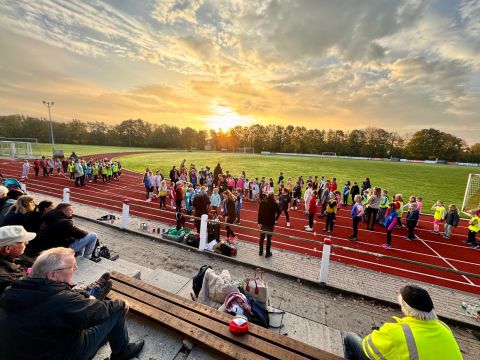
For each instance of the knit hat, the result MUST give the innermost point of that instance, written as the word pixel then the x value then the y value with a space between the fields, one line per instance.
pixel 417 298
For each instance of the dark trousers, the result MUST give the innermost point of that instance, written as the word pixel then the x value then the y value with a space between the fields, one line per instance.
pixel 284 210
pixel 163 202
pixel 230 232
pixel 45 171
pixel 355 222
pixel 330 222
pixel 178 203
pixel 389 237
pixel 472 237
pixel 113 330
pixel 36 171
pixel 310 220
pixel 345 199
pixel 77 181
pixel 371 217
pixel 104 177
pixel 411 229
pixel 269 239
pixel 352 346
pixel 237 216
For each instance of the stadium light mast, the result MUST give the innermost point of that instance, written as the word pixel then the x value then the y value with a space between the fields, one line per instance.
pixel 49 104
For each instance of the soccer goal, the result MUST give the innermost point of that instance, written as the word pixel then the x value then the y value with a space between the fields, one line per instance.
pixel 471 201
pixel 16 149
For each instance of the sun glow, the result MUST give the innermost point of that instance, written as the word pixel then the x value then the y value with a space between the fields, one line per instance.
pixel 224 118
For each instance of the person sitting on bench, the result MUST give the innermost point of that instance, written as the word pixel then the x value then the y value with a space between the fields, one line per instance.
pixel 58 229
pixel 42 317
pixel 13 240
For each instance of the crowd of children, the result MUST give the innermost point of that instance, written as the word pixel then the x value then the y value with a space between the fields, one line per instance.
pixel 321 196
pixel 78 170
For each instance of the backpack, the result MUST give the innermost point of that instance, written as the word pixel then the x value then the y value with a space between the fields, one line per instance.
pixel 259 315
pixel 100 250
pixel 198 279
pixel 192 240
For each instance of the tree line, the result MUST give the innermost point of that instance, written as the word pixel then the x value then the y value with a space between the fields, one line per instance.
pixel 426 144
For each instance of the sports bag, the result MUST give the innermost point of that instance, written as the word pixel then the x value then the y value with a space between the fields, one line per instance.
pixel 259 313
pixel 192 240
pixel 198 279
pixel 256 287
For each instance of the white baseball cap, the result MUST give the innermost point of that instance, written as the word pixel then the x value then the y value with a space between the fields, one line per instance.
pixel 14 234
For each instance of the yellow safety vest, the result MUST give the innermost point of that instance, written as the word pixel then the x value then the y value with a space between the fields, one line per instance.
pixel 473 224
pixel 412 339
pixel 439 212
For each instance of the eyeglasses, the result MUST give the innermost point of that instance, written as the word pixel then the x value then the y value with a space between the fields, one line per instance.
pixel 74 267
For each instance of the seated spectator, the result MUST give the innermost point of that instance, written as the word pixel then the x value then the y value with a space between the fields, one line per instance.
pixel 12 196
pixel 13 240
pixel 42 207
pixel 418 335
pixel 21 212
pixel 57 229
pixel 58 322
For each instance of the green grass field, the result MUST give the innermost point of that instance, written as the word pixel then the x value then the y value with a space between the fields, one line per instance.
pixel 84 150
pixel 432 182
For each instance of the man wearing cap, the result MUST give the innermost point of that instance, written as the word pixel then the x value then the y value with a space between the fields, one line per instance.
pixel 418 335
pixel 41 317
pixel 13 240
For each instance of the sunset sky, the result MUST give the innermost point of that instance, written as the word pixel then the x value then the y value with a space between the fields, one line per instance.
pixel 399 65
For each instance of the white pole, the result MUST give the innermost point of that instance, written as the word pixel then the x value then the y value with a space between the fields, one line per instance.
pixel 66 195
pixel 203 232
pixel 327 245
pixel 125 214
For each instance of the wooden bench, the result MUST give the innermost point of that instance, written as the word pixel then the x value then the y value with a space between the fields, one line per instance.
pixel 208 327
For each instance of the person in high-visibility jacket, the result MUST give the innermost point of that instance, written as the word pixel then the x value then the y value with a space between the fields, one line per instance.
pixel 473 229
pixel 418 335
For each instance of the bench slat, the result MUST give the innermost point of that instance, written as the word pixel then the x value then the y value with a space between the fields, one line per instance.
pixel 220 329
pixel 258 331
pixel 199 336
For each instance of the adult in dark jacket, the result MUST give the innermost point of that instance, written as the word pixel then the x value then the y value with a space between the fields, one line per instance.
pixel 201 203
pixel 354 191
pixel 174 175
pixel 284 200
pixel 57 322
pixel 12 197
pixel 228 207
pixel 217 171
pixel 21 213
pixel 267 214
pixel 57 229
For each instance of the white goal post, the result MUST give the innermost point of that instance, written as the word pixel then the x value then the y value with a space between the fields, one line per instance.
pixel 329 154
pixel 471 200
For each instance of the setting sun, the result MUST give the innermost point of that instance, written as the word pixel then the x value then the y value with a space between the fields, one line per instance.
pixel 224 118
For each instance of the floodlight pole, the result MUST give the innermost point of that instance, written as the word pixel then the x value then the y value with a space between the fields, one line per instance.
pixel 49 104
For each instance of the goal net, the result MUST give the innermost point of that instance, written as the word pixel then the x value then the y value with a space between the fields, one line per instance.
pixel 471 201
pixel 16 149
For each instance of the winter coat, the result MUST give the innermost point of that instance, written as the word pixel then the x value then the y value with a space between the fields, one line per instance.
pixel 56 230
pixel 267 212
pixel 10 271
pixel 201 202
pixel 49 317
pixel 453 218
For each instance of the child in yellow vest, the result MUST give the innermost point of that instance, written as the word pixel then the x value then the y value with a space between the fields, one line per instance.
pixel 438 216
pixel 473 228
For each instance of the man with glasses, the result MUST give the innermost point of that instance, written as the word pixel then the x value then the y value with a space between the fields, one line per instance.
pixel 13 240
pixel 56 322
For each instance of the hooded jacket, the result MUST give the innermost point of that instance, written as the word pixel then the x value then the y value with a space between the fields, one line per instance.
pixel 56 230
pixel 45 319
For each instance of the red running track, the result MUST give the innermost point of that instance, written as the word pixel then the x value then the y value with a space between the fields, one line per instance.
pixel 428 248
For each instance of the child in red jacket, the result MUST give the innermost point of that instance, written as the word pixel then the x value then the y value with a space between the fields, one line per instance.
pixel 312 210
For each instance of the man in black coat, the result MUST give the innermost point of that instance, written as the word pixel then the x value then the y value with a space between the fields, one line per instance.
pixel 57 229
pixel 267 214
pixel 217 171
pixel 201 203
pixel 41 317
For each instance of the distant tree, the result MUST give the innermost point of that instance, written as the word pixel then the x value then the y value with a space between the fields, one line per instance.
pixel 433 144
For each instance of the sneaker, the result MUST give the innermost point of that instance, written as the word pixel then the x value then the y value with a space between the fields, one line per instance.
pixel 308 229
pixel 407 238
pixel 352 238
pixel 324 230
pixel 288 224
pixel 386 246
pixel 148 200
pixel 130 352
pixel 268 255
pixel 104 279
pixel 474 247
